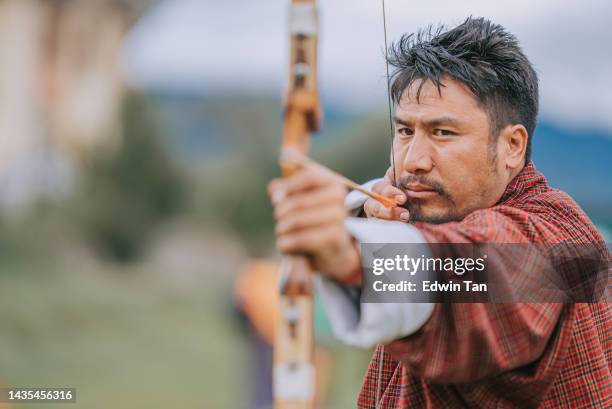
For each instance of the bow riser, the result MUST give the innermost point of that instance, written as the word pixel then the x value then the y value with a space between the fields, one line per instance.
pixel 294 381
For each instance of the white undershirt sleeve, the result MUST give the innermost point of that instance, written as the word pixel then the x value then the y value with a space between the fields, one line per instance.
pixel 367 324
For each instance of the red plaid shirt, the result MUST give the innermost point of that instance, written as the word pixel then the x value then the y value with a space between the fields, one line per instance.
pixel 503 355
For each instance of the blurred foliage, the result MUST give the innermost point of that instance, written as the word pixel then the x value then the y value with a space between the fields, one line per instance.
pixel 22 247
pixel 239 156
pixel 240 199
pixel 360 150
pixel 124 195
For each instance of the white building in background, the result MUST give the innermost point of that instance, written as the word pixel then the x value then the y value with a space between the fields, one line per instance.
pixel 60 89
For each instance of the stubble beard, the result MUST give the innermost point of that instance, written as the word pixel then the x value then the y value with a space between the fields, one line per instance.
pixel 415 209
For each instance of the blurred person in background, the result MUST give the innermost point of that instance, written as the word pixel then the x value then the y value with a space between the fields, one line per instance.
pixel 467 103
pixel 256 301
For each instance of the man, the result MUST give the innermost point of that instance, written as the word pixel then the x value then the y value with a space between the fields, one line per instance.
pixel 466 107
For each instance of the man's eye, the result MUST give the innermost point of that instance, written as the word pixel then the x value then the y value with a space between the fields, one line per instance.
pixel 443 132
pixel 405 131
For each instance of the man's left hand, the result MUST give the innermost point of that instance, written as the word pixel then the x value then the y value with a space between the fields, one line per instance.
pixel 310 215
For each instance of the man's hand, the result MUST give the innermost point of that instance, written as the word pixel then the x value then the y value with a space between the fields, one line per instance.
pixel 310 214
pixel 375 209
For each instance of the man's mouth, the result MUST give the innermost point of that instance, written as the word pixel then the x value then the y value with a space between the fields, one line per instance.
pixel 417 191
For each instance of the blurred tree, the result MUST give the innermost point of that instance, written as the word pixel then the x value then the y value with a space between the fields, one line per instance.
pixel 232 145
pixel 235 192
pixel 236 167
pixel 125 195
pixel 359 149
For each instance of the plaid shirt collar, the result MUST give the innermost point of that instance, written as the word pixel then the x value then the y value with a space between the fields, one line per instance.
pixel 528 180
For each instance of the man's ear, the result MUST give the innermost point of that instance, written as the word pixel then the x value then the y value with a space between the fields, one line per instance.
pixel 513 140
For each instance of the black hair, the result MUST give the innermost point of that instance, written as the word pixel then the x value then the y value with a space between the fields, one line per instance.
pixel 483 56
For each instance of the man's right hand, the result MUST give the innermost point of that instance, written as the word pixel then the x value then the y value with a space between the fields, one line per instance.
pixel 375 209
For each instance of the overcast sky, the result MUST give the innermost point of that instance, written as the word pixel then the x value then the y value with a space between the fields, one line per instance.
pixel 241 46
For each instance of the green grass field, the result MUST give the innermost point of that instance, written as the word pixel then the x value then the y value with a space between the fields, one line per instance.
pixel 125 340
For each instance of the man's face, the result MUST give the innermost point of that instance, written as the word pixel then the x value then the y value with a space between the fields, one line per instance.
pixel 444 161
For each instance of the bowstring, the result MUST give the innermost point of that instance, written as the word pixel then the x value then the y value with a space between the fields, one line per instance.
pixel 391 131
pixel 378 398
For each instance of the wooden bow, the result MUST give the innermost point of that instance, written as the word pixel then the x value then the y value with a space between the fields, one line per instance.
pixel 294 373
pixel 294 381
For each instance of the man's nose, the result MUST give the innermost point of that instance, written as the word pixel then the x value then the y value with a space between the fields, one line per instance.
pixel 418 158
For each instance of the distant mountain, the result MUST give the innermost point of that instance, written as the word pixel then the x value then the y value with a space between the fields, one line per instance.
pixel 204 126
pixel 577 161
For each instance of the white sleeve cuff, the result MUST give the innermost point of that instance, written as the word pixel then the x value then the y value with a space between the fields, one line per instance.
pixel 367 324
pixel 354 200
